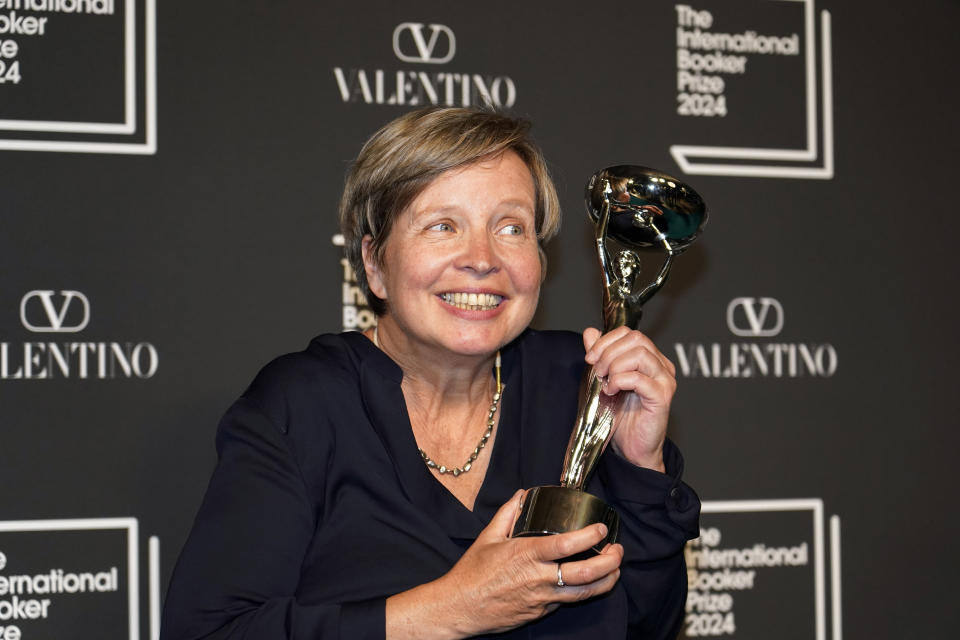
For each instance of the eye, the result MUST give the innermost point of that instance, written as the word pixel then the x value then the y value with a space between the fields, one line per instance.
pixel 440 226
pixel 512 230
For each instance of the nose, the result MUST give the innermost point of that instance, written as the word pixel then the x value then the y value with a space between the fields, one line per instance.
pixel 478 254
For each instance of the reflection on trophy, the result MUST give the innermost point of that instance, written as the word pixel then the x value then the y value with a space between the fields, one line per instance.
pixel 638 209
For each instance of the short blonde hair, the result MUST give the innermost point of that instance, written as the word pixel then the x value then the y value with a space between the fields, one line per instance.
pixel 398 162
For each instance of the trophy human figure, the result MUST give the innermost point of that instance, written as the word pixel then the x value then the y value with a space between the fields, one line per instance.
pixel 621 305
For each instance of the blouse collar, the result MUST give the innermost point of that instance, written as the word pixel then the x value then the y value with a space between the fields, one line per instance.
pixel 383 399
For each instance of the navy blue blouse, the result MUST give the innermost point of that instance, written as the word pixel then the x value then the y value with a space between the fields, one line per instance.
pixel 320 506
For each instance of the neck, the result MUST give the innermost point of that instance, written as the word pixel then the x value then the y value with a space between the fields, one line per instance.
pixel 446 395
pixel 435 378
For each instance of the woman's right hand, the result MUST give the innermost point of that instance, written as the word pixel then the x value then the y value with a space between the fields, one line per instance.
pixel 501 582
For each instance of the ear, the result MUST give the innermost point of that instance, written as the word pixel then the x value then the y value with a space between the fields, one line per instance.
pixel 372 269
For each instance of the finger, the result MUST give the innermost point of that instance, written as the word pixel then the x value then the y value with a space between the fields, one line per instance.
pixel 501 525
pixel 616 547
pixel 653 392
pixel 583 572
pixel 590 336
pixel 631 343
pixel 601 343
pixel 564 545
pixel 620 358
pixel 642 372
pixel 641 362
pixel 615 343
pixel 582 592
pixel 640 342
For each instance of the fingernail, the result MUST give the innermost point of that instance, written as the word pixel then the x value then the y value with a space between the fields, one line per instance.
pixel 602 529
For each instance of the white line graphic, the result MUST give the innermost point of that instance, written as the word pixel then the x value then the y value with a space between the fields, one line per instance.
pixel 682 154
pixel 835 578
pixel 154 555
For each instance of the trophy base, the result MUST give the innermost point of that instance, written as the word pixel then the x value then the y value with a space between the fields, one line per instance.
pixel 551 510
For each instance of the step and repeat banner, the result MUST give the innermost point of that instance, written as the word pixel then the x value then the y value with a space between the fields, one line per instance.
pixel 169 178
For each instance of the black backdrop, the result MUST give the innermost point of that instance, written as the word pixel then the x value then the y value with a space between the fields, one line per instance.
pixel 183 224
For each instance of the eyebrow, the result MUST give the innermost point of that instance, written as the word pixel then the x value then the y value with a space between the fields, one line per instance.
pixel 512 202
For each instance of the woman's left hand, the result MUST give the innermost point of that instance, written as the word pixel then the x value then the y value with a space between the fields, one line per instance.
pixel 630 362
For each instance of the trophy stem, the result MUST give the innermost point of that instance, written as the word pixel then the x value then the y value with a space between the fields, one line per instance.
pixel 591 432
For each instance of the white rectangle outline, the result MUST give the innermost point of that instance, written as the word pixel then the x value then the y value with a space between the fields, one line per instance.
pixel 682 153
pixel 86 524
pixel 796 504
pixel 149 146
pixel 129 123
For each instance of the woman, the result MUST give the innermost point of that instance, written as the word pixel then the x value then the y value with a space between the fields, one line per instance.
pixel 367 487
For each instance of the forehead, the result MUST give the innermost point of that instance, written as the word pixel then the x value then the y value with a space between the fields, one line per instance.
pixel 490 180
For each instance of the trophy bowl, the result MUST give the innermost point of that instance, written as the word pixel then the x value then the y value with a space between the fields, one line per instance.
pixel 647 207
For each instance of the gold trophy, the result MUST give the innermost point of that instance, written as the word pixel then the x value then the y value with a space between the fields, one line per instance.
pixel 640 209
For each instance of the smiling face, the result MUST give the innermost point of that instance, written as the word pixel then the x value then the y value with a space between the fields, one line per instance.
pixel 461 268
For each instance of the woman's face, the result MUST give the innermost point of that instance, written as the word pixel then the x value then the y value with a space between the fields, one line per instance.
pixel 461 266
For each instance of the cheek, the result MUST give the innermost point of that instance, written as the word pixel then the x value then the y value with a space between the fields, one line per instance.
pixel 414 271
pixel 526 273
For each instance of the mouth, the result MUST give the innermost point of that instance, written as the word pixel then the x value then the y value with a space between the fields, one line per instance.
pixel 472 301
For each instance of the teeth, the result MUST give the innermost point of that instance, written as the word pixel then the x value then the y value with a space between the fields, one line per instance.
pixel 472 301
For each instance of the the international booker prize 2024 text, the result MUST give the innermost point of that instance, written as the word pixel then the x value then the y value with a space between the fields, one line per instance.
pixel 32 19
pixel 704 56
pixel 26 600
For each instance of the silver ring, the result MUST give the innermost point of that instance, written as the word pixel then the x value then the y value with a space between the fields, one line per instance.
pixel 560 582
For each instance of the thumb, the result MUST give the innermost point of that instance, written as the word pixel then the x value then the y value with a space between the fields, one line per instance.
pixel 590 335
pixel 501 525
